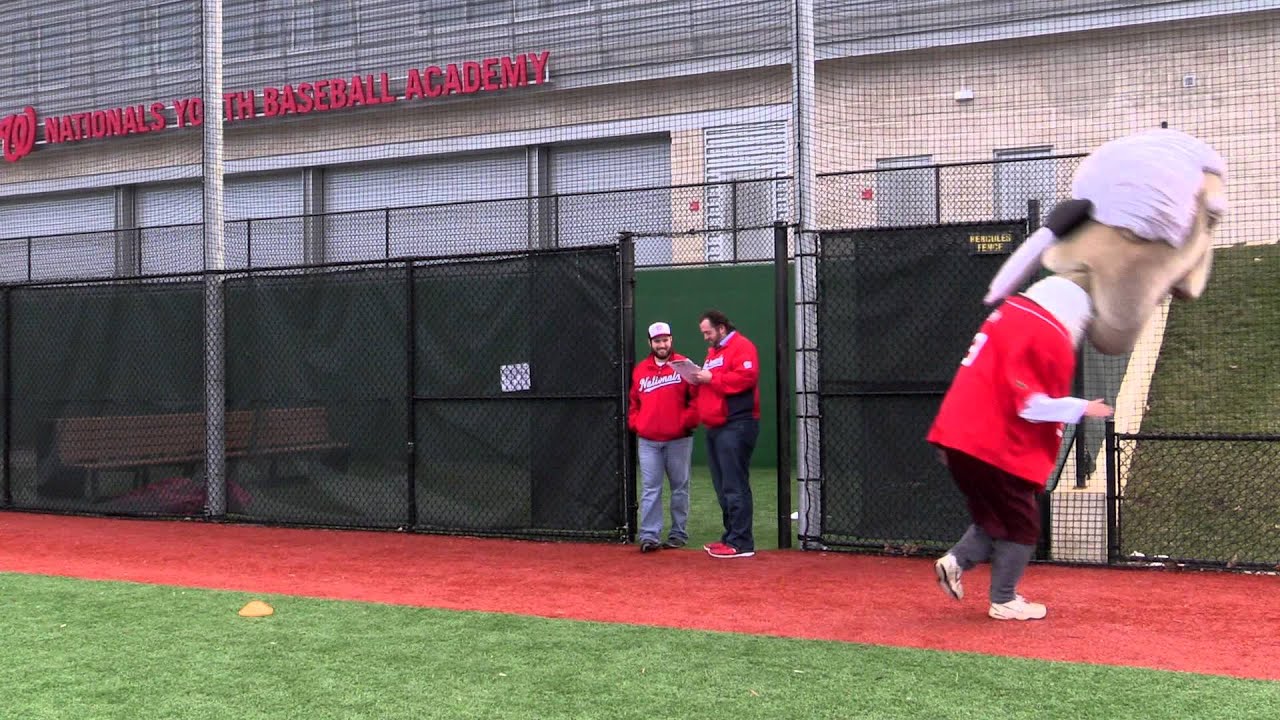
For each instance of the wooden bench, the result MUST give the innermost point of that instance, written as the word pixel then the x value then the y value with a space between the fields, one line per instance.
pixel 135 443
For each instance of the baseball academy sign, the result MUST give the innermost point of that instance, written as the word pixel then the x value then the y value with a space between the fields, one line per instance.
pixel 18 131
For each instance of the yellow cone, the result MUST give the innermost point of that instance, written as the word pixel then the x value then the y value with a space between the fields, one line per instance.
pixel 257 608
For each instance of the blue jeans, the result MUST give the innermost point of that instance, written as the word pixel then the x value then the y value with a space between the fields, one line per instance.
pixel 671 457
pixel 729 449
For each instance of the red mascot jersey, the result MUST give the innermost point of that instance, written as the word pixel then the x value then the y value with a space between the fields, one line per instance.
pixel 1020 350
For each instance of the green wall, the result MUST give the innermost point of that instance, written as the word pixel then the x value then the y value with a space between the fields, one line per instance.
pixel 743 292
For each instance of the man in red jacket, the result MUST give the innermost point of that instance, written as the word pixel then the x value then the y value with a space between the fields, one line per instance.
pixel 727 399
pixel 662 416
pixel 999 430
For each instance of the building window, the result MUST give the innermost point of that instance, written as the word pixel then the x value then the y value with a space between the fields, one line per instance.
pixel 1021 176
pixel 906 196
pixel 469 12
pixel 323 25
pixel 270 18
pixel 550 6
pixel 159 39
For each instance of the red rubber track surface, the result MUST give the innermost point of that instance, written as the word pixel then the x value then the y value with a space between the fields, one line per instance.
pixel 1217 623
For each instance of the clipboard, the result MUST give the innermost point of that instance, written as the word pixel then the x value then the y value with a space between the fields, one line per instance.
pixel 687 369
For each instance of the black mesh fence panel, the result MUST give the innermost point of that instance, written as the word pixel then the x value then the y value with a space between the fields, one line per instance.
pixel 316 397
pixel 511 366
pixel 518 403
pixel 898 309
pixel 1194 500
pixel 106 403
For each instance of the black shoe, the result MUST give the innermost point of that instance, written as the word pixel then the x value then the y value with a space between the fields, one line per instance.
pixel 649 546
pixel 674 543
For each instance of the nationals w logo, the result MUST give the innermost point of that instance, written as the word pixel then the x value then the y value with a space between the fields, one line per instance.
pixel 18 134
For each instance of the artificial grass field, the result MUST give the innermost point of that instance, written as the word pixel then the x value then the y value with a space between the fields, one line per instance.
pixel 85 649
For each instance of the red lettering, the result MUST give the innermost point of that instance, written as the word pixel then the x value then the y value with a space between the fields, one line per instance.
pixel 384 92
pixel 180 111
pixel 320 86
pixel 82 124
pixel 452 83
pixel 288 104
pixel 245 105
pixel 470 77
pixel 195 111
pixel 306 98
pixel 131 121
pixel 433 89
pixel 227 114
pixel 337 94
pixel 413 85
pixel 271 100
pixel 52 130
pixel 540 73
pixel 513 72
pixel 157 116
pixel 68 129
pixel 115 122
pixel 98 124
pixel 487 73
pixel 357 96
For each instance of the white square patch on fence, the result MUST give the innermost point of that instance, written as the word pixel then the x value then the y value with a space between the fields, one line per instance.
pixel 515 377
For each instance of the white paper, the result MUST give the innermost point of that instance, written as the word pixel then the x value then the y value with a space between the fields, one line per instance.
pixel 687 369
pixel 515 377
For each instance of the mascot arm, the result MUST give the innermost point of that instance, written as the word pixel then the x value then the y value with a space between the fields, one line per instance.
pixel 1042 408
pixel 1031 372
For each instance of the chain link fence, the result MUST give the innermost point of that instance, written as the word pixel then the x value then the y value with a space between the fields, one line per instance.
pixel 897 309
pixel 425 394
pixel 707 223
pixel 1195 447
pixel 1182 475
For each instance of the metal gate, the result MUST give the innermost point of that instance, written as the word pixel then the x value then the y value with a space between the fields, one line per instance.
pixel 897 309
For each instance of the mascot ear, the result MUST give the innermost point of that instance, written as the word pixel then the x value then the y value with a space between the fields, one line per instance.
pixel 1062 220
pixel 1065 217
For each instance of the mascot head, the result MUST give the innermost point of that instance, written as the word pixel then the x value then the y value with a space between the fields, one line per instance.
pixel 1138 229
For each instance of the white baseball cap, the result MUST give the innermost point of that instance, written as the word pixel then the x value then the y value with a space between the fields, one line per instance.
pixel 659 329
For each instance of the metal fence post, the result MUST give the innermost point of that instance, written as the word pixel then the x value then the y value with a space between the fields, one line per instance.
pixel 937 194
pixel 214 261
pixel 248 244
pixel 733 217
pixel 555 209
pixel 386 232
pixel 28 259
pixel 411 416
pixel 782 374
pixel 1113 492
pixel 627 277
pixel 6 494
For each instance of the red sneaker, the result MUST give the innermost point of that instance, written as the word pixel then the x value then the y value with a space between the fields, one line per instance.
pixel 723 550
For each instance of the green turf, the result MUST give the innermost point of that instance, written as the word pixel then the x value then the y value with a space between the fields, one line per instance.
pixel 79 649
pixel 705 519
pixel 1218 372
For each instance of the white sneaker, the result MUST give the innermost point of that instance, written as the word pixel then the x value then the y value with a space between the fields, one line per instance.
pixel 1017 609
pixel 947 568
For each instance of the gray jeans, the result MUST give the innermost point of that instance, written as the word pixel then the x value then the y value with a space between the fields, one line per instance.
pixel 671 457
